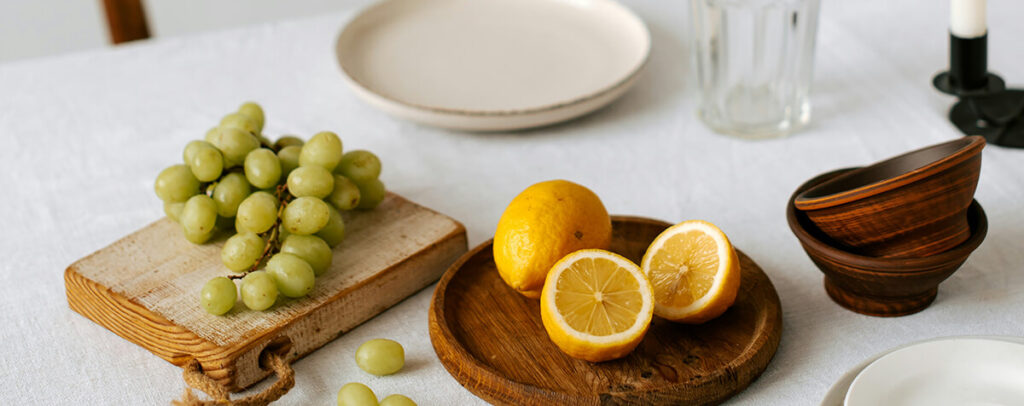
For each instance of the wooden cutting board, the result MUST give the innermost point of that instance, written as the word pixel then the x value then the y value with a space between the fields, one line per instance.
pixel 146 286
pixel 491 339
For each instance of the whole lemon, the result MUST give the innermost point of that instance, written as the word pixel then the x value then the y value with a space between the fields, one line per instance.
pixel 544 223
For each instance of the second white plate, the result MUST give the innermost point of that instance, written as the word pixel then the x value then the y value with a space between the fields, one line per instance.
pixel 488 65
pixel 957 371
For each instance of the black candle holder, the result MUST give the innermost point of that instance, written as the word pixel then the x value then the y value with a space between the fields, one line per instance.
pixel 985 106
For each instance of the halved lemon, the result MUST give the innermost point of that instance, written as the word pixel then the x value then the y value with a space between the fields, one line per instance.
pixel 596 305
pixel 694 270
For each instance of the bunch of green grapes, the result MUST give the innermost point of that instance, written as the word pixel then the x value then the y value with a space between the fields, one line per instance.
pixel 281 202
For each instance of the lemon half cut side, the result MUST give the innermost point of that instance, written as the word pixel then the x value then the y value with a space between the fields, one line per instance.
pixel 694 271
pixel 596 305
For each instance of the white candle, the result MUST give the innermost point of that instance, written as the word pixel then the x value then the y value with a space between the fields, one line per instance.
pixel 967 18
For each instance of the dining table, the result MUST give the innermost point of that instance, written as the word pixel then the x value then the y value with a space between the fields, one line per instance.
pixel 86 133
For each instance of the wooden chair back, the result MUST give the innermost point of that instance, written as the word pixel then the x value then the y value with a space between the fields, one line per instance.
pixel 126 19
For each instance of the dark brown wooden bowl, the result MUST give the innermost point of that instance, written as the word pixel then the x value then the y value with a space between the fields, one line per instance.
pixel 912 205
pixel 884 287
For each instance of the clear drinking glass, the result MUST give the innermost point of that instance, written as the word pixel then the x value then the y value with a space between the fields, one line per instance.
pixel 754 60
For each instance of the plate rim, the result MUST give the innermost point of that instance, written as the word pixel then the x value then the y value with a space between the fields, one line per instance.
pixel 476 381
pixel 836 394
pixel 367 91
pixel 917 346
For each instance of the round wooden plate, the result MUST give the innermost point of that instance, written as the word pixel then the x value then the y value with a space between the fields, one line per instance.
pixel 491 339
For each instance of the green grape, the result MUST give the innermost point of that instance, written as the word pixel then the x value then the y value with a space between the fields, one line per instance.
pixel 257 213
pixel 218 295
pixel 241 122
pixel 380 356
pixel 255 112
pixel 204 160
pixel 356 394
pixel 282 234
pixel 211 136
pixel 190 149
pixel 196 237
pixel 229 193
pixel 334 232
pixel 397 400
pixel 262 168
pixel 323 150
pixel 305 215
pixel 288 141
pixel 359 165
pixel 311 249
pixel 345 195
pixel 241 251
pixel 173 210
pixel 294 277
pixel 259 291
pixel 234 144
pixel 176 184
pixel 371 193
pixel 289 157
pixel 198 217
pixel 310 181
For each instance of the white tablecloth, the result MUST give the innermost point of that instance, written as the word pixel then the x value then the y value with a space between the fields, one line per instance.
pixel 85 134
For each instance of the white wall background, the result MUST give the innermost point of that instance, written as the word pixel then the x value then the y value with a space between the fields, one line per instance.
pixel 36 28
pixel 31 28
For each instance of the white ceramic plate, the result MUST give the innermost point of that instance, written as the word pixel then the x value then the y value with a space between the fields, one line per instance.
pixel 956 371
pixel 489 65
pixel 837 393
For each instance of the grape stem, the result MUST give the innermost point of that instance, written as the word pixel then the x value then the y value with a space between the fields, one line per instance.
pixel 208 187
pixel 273 245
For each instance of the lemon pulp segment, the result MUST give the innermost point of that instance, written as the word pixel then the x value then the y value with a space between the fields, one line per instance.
pixel 684 269
pixel 596 305
pixel 596 296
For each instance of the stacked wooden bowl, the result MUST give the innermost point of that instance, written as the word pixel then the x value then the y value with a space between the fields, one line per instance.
pixel 887 234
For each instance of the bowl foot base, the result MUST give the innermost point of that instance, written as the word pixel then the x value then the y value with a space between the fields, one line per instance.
pixel 879 306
